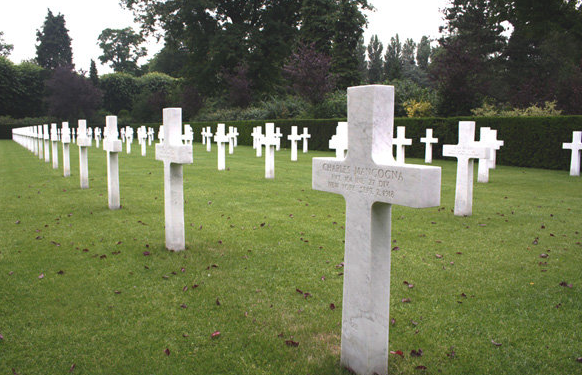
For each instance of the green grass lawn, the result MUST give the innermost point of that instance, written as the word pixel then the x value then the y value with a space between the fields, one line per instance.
pixel 104 307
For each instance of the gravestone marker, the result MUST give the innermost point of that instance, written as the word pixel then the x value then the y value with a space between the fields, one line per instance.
pixel 221 138
pixel 487 138
pixel 113 146
pixel 203 135
pixel 45 132
pixel 66 137
pixel 188 136
pixel 122 133
pixel 235 135
pixel 258 140
pixel 128 138
pixel 97 135
pixel 150 135
pixel 32 139
pixel 576 147
pixel 400 142
pixel 465 151
pixel 339 141
pixel 40 141
pixel 58 134
pixel 232 139
pixel 270 143
pixel 428 140
pixel 84 142
pixel 208 139
pixel 142 135
pixel 90 133
pixel 294 138
pixel 371 182
pixel 305 136
pixel 278 136
pixel 55 148
pixel 73 135
pixel 174 154
pixel 494 145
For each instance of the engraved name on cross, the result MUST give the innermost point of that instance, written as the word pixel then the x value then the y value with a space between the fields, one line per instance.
pixel 371 182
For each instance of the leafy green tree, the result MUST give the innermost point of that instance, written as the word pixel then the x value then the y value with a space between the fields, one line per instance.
pixel 119 91
pixel 9 87
pixel 219 35
pixel 423 52
pixel 362 63
pixel 5 48
pixel 71 96
pixel 317 24
pixel 393 59
pixel 309 73
pixel 172 59
pixel 408 49
pixel 375 62
pixel 121 49
pixel 54 43
pixel 348 30
pixel 31 93
pixel 93 76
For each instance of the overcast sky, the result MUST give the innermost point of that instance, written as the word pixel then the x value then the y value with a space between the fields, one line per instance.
pixel 19 20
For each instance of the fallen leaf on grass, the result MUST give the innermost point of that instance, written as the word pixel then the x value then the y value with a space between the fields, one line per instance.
pixel 72 368
pixel 392 321
pixel 406 300
pixel 579 360
pixel 117 292
pixel 421 367
pixel 452 353
pixel 292 343
pixel 332 306
pixel 146 253
pixel 185 288
pixel 217 302
pixel 416 353
pixel 215 334
pixel 119 242
pixel 1 337
pixel 185 335
pixel 496 343
pixel 61 272
pixel 17 222
pixel 167 351
pixel 398 352
pixel 41 276
pixel 438 256
pixel 564 284
pixel 184 306
pixel 544 255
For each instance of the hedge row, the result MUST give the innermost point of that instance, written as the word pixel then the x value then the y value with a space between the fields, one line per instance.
pixel 529 141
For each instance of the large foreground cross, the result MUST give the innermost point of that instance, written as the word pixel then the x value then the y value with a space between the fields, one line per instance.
pixel 173 153
pixel 112 145
pixel 371 182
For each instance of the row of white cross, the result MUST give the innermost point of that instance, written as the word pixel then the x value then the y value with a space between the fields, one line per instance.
pixel 369 179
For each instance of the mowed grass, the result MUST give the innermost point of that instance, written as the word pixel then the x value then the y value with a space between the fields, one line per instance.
pixel 483 301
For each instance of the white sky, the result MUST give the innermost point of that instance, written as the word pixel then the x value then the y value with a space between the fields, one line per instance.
pixel 85 19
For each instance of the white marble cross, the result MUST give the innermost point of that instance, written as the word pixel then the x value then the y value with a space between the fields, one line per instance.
pixel 174 154
pixel 208 139
pixel 203 135
pixel 40 141
pixel 188 136
pixel 128 138
pixel 428 140
pixel 371 182
pixel 90 133
pixel 221 138
pixel 58 134
pixel 113 146
pixel 278 136
pixel 73 140
pixel 142 135
pixel 339 141
pixel 66 139
pixel 257 135
pixel 294 138
pixel 487 138
pixel 150 135
pixel 305 136
pixel 97 135
pixel 576 147
pixel 270 143
pixel 231 138
pixel 400 142
pixel 46 137
pixel 83 141
pixel 465 151
pixel 122 133
pixel 55 148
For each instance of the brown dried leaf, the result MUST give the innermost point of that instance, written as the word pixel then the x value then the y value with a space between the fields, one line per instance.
pixel 496 343
pixel 167 351
pixel 215 334
pixel 292 343
pixel 332 306
pixel 416 353
pixel 406 300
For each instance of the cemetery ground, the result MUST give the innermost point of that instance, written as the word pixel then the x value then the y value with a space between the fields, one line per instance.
pixel 258 290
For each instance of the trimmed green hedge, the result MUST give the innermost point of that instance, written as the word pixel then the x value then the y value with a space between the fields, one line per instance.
pixel 529 141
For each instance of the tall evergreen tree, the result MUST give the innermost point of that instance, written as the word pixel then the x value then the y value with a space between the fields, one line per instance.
pixel 393 59
pixel 348 30
pixel 362 63
pixel 408 49
pixel 54 48
pixel 317 24
pixel 375 62
pixel 93 76
pixel 423 52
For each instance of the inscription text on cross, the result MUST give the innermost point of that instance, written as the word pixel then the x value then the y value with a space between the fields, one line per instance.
pixel 371 182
